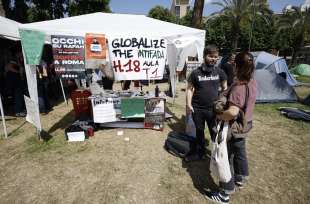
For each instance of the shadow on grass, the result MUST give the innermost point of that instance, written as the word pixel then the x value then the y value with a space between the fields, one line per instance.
pixel 16 130
pixel 199 171
pixel 45 136
pixel 67 120
pixel 179 125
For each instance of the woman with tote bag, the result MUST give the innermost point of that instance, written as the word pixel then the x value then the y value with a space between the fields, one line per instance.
pixel 241 99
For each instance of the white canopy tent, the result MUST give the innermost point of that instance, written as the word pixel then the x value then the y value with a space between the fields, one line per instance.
pixel 182 41
pixel 188 41
pixel 9 28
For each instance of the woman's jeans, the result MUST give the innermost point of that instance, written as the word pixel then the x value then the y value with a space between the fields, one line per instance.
pixel 238 163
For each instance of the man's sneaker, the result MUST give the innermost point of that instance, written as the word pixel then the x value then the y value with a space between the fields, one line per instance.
pixel 217 197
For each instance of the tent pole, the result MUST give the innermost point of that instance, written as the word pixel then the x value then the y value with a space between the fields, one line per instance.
pixel 77 82
pixel 63 92
pixel 3 119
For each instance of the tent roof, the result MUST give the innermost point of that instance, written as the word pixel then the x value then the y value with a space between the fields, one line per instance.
pixel 9 28
pixel 113 24
pixel 189 41
pixel 264 59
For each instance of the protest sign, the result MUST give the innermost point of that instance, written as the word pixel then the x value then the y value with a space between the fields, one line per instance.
pixel 138 58
pixel 32 42
pixel 68 52
pixel 33 115
pixel 154 113
pixel 105 109
pixel 95 50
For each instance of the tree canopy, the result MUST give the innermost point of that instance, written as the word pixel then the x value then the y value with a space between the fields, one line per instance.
pixel 163 14
pixel 242 24
pixel 25 11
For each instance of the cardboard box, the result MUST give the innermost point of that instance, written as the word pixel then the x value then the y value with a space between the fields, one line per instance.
pixel 76 136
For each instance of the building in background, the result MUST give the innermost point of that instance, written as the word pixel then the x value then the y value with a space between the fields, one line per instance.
pixel 180 7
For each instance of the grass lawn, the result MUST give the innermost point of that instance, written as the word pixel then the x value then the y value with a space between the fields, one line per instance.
pixel 108 168
pixel 303 79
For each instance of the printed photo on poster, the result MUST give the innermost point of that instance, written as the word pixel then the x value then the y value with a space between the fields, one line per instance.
pixel 138 58
pixel 69 59
pixel 154 113
pixel 95 50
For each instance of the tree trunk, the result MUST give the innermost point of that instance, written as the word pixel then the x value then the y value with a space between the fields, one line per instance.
pixel 2 13
pixel 300 42
pixel 197 13
pixel 5 4
pixel 235 30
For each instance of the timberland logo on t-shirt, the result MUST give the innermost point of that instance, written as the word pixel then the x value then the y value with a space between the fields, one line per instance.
pixel 209 78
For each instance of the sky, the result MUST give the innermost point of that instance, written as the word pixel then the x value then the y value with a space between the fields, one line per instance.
pixel 143 6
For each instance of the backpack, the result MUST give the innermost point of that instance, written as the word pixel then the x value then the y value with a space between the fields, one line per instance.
pixel 179 144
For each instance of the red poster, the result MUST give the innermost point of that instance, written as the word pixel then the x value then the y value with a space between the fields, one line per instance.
pixel 95 50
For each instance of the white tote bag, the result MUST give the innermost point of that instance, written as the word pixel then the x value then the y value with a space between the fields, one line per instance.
pixel 219 164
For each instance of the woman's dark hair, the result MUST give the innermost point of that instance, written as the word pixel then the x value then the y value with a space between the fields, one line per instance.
pixel 244 66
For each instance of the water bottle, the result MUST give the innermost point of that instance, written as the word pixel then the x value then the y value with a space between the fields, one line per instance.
pixel 156 91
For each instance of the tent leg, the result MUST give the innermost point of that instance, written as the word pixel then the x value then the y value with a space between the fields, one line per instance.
pixel 63 92
pixel 39 134
pixel 3 119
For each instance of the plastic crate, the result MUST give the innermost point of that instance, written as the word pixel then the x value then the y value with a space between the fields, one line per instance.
pixel 81 104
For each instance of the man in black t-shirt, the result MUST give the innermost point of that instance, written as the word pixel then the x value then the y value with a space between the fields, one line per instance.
pixel 203 88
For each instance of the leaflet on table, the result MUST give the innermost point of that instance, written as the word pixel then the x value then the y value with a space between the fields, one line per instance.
pixel 105 109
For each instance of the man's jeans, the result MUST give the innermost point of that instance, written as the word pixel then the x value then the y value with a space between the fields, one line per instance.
pixel 200 117
pixel 238 163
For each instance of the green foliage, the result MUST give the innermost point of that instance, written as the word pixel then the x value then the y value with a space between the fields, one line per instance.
pixel 47 10
pixel 163 14
pixel 296 22
pixel 218 32
pixel 241 12
pixel 38 10
pixel 79 7
pixel 16 10
pixel 261 36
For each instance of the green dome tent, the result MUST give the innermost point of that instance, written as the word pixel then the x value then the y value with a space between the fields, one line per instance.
pixel 301 69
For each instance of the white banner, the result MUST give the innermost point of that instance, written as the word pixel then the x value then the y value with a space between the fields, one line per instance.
pixel 33 115
pixel 32 82
pixel 138 58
